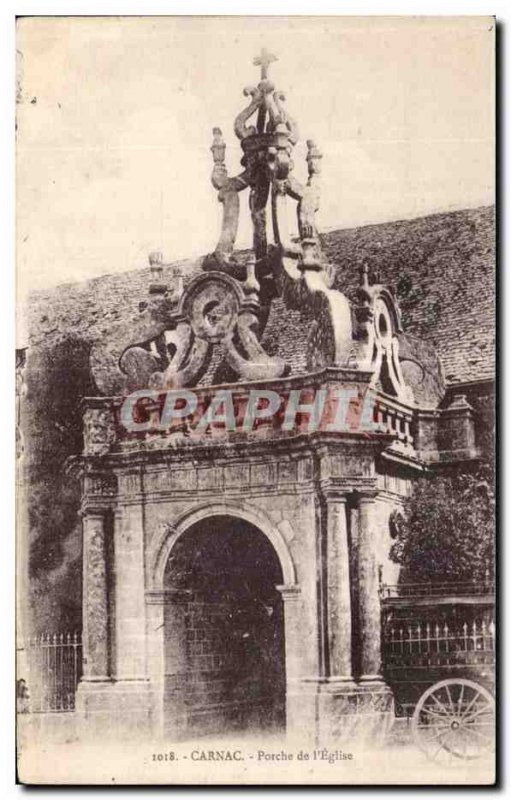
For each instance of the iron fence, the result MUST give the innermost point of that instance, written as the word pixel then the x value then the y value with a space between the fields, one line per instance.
pixel 49 668
pixel 438 644
pixel 417 590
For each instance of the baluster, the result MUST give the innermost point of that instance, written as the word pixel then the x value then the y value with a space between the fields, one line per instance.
pixel 67 651
pixel 46 674
pixel 393 422
pixel 55 660
pixel 71 682
pixel 69 670
pixel 46 677
pixel 408 433
pixel 74 680
pixel 61 675
pixel 379 416
pixel 36 655
pixel 401 642
pixel 34 660
pixel 32 666
pixel 491 632
pixel 72 670
pixel 34 663
pixel 42 676
pixel 64 678
pixel 50 672
pixel 428 644
pixel 465 639
pixel 43 671
pixel 53 653
pixel 37 661
pixel 437 637
pixel 474 634
pixel 54 664
pixel 410 639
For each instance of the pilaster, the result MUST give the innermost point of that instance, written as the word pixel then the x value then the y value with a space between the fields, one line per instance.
pixel 95 597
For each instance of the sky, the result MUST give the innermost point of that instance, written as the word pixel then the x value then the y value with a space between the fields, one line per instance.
pixel 115 118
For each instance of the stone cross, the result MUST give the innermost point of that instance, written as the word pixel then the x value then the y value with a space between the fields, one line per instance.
pixel 264 60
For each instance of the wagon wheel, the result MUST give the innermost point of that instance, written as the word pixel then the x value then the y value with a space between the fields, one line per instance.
pixel 455 719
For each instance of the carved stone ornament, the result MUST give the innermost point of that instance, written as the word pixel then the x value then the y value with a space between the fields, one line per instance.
pixel 214 310
pixel 378 325
pixel 100 485
pixel 221 315
pixel 98 431
pixel 297 266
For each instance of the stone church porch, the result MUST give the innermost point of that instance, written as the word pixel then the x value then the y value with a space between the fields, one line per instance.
pixel 188 549
pixel 231 575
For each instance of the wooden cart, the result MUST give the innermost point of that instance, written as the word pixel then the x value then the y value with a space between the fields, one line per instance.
pixel 438 645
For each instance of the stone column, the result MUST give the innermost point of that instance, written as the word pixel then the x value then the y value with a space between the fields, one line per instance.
pixel 338 590
pixel 95 598
pixel 368 598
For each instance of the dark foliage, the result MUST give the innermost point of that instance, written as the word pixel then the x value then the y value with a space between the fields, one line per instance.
pixel 448 533
pixel 57 380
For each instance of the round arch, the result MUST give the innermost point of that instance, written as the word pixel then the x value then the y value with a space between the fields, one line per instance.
pixel 172 532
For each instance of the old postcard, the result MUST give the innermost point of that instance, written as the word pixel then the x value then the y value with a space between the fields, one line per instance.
pixel 255 400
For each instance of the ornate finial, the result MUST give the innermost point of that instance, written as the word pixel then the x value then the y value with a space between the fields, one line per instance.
pixel 314 157
pixel 218 146
pixel 267 165
pixel 264 60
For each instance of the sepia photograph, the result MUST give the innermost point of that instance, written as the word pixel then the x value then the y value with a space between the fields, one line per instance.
pixel 255 400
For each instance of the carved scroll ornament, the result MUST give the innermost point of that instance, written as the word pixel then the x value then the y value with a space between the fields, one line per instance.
pixel 215 309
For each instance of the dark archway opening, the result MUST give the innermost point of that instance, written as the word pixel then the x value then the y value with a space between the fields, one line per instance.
pixel 224 631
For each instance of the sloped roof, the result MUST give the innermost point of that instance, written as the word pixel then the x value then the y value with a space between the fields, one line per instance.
pixel 441 268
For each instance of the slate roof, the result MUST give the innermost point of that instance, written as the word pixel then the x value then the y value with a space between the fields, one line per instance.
pixel 442 268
